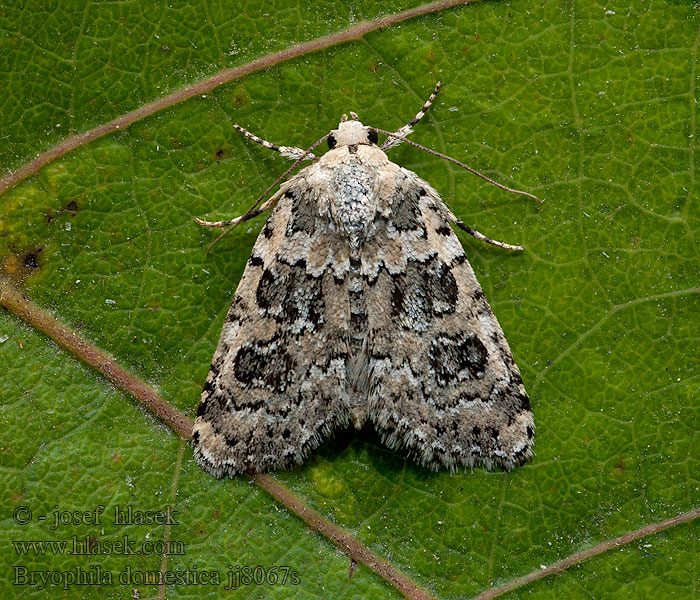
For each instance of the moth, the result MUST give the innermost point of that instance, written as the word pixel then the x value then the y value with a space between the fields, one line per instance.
pixel 357 305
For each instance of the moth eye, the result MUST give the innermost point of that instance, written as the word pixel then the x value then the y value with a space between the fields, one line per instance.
pixel 331 142
pixel 372 136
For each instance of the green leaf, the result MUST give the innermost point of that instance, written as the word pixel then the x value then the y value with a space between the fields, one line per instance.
pixel 590 106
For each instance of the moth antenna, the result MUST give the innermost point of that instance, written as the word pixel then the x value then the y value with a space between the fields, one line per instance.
pixel 480 236
pixel 408 128
pixel 288 151
pixel 459 164
pixel 248 214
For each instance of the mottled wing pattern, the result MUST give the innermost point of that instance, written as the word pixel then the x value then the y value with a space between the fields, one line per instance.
pixel 443 381
pixel 272 393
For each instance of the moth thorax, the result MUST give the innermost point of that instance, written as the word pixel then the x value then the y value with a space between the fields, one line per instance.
pixel 353 203
pixel 351 132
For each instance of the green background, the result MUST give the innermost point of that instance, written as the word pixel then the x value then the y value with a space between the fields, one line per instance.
pixel 590 106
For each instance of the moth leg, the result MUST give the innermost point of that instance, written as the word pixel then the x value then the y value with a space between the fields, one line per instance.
pixel 406 130
pixel 241 218
pixel 480 236
pixel 236 221
pixel 288 151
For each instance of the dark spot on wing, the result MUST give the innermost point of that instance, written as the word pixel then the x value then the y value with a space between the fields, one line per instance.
pixel 453 357
pixel 208 387
pixel 405 212
pixel 425 290
pixel 291 296
pixel 524 402
pixel 444 230
pixel 269 288
pixel 303 217
pixel 268 366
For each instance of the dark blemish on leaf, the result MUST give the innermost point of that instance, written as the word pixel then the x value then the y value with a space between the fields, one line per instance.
pixel 620 463
pixel 31 259
pixel 71 208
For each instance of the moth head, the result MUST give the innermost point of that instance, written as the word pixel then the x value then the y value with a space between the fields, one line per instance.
pixel 350 133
